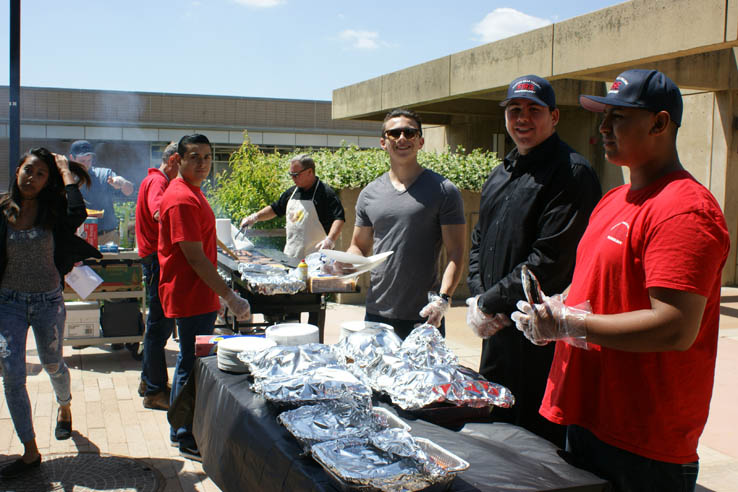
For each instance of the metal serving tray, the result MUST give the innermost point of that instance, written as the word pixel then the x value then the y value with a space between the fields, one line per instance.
pixel 442 457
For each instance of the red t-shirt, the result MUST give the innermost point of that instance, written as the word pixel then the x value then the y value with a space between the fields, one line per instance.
pixel 185 215
pixel 149 197
pixel 671 234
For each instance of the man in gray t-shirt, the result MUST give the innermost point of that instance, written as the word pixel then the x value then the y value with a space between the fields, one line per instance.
pixel 412 211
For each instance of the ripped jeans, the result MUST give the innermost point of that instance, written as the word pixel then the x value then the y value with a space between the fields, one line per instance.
pixel 45 312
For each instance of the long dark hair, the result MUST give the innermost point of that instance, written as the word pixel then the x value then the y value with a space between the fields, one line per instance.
pixel 52 198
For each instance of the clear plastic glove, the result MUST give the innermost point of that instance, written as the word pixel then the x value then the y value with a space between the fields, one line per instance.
pixel 482 324
pixel 248 221
pixel 553 320
pixel 238 306
pixel 435 310
pixel 326 243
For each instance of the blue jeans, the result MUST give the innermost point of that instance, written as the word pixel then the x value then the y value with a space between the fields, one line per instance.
pixel 188 329
pixel 628 472
pixel 158 330
pixel 45 312
pixel 402 327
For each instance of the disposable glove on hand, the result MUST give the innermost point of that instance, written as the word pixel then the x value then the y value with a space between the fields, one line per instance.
pixel 238 306
pixel 553 320
pixel 248 221
pixel 326 243
pixel 482 324
pixel 435 310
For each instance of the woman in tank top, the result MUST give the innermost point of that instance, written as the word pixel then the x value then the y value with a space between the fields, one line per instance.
pixel 38 246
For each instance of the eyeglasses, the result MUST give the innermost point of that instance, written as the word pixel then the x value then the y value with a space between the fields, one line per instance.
pixel 294 175
pixel 395 133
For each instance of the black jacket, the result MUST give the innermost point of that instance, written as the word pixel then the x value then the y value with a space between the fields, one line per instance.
pixel 534 209
pixel 68 247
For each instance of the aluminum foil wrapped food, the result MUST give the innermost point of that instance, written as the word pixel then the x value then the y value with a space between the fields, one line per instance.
pixel 289 360
pixel 390 461
pixel 268 280
pixel 425 371
pixel 426 347
pixel 320 384
pixel 363 347
pixel 325 421
pixel 420 387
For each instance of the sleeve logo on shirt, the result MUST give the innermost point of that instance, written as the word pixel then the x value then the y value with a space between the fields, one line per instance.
pixel 619 233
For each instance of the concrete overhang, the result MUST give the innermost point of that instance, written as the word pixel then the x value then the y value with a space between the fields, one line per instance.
pixel 693 41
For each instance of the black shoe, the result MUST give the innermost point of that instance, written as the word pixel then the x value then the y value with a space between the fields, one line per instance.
pixel 190 453
pixel 19 468
pixel 63 430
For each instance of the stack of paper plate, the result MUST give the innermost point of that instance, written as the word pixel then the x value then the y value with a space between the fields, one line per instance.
pixel 229 349
pixel 293 333
pixel 349 327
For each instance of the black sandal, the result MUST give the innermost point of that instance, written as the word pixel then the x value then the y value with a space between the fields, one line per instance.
pixel 63 430
pixel 19 468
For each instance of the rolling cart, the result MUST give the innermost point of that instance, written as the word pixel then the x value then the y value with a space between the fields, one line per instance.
pixel 122 273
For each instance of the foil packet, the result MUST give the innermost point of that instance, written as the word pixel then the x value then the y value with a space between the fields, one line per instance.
pixel 363 347
pixel 289 360
pixel 320 384
pixel 269 285
pixel 330 420
pixel 391 460
pixel 422 372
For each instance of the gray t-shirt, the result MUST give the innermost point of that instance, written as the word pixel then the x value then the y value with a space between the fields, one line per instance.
pixel 408 223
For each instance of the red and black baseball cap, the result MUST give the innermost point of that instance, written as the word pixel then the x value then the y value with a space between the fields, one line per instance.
pixel 638 88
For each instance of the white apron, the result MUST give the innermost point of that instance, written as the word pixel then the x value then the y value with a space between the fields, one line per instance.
pixel 304 230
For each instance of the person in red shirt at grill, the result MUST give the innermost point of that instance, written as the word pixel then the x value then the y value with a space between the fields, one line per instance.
pixel 189 283
pixel 159 328
pixel 633 369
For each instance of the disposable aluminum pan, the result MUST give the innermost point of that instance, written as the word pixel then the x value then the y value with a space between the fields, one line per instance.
pixel 311 424
pixel 355 465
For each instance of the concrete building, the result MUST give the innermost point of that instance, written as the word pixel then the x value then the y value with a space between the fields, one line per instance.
pixel 692 41
pixel 130 129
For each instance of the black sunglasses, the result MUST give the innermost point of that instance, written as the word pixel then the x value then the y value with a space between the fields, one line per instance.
pixel 294 175
pixel 395 133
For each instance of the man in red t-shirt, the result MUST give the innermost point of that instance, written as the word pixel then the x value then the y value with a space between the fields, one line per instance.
pixel 633 371
pixel 159 328
pixel 189 283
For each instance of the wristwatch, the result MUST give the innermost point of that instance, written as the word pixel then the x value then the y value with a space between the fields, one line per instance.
pixel 445 297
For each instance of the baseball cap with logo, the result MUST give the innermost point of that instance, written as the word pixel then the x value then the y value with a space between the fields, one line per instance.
pixel 638 88
pixel 81 147
pixel 532 87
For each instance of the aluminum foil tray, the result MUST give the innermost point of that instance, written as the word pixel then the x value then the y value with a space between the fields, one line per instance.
pixel 311 424
pixel 451 463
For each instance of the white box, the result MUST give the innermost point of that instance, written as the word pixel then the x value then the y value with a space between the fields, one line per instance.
pixel 83 319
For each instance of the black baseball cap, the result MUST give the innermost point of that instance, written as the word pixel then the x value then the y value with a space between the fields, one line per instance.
pixel 81 147
pixel 532 87
pixel 638 88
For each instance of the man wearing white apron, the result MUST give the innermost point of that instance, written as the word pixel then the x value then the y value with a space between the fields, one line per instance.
pixel 313 212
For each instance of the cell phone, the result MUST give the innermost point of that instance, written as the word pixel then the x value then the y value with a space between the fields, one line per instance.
pixel 531 287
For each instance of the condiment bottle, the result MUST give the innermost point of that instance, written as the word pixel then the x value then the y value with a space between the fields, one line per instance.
pixel 302 269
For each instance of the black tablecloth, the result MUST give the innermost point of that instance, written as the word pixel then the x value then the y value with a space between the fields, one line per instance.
pixel 245 449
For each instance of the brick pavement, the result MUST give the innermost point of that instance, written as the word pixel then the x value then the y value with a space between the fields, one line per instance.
pixel 108 416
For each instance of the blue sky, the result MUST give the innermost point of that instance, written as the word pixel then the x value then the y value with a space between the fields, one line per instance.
pixel 297 49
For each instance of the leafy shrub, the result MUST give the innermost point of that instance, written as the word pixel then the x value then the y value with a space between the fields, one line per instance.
pixel 255 179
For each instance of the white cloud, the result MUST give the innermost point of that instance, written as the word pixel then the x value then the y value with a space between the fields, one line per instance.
pixel 260 3
pixel 505 22
pixel 363 40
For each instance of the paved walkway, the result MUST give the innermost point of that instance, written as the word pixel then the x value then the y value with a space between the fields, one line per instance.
pixel 109 417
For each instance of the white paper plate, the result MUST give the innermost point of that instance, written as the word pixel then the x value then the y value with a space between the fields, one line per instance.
pixel 293 333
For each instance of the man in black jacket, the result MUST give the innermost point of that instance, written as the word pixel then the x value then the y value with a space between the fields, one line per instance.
pixel 534 208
